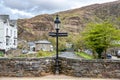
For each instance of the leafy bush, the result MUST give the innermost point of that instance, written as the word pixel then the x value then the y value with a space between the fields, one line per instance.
pixel 1 54
pixel 45 54
pixel 38 54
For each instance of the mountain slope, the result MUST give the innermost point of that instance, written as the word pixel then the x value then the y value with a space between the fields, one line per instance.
pixel 73 21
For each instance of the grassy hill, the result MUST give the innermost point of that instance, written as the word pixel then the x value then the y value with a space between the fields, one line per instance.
pixel 73 21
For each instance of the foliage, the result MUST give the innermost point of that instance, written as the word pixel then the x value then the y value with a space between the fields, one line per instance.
pixel 61 45
pixel 1 54
pixel 76 40
pixel 45 54
pixel 99 37
pixel 27 55
pixel 78 43
pixel 52 40
pixel 20 46
pixel 39 54
pixel 84 55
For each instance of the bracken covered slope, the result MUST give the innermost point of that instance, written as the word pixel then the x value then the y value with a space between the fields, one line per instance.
pixel 73 21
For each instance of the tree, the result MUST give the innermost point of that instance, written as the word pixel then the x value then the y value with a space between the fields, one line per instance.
pixel 99 37
pixel 61 43
pixel 78 43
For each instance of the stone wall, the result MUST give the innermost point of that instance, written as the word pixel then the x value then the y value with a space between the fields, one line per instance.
pixel 30 67
pixel 26 67
pixel 91 68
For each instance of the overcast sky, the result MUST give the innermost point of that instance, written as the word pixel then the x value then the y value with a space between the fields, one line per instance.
pixel 29 8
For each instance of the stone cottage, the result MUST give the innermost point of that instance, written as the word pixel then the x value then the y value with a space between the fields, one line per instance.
pixel 43 45
pixel 31 46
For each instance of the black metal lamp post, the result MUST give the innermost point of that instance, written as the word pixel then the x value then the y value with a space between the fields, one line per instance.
pixel 57 34
pixel 57 22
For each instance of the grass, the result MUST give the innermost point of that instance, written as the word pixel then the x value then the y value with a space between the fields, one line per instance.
pixel 27 55
pixel 45 54
pixel 38 54
pixel 84 55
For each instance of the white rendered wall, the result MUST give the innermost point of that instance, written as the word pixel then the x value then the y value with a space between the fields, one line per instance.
pixel 2 38
pixel 11 36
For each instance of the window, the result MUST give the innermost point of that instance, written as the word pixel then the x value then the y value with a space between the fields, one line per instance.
pixel 33 48
pixel 7 31
pixel 15 36
pixel 14 42
pixel 14 33
pixel 7 41
pixel 11 32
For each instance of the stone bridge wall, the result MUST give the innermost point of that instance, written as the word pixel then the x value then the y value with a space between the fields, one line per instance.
pixel 73 67
pixel 26 66
pixel 91 68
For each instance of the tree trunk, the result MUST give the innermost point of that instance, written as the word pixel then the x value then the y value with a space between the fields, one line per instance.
pixel 94 55
pixel 99 56
pixel 99 51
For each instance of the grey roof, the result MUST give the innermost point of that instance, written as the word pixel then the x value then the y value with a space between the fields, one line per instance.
pixel 4 18
pixel 43 42
pixel 31 43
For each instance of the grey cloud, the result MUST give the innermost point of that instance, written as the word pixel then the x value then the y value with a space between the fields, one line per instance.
pixel 36 5
pixel 28 8
pixel 13 13
pixel 17 4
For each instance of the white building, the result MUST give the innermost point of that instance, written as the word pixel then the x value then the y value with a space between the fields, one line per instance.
pixel 8 33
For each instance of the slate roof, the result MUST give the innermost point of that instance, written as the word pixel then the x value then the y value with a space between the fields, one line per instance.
pixel 31 43
pixel 42 42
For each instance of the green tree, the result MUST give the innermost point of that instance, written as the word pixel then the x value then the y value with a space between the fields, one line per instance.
pixel 76 40
pixel 99 37
pixel 78 43
pixel 62 45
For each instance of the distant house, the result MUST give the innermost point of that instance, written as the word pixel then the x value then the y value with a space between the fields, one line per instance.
pixel 31 46
pixel 8 33
pixel 43 45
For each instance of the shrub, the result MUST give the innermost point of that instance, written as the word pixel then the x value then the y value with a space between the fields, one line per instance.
pixel 45 53
pixel 1 54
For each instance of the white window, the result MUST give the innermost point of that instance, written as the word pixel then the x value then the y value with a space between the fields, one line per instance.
pixel 14 42
pixel 11 32
pixel 7 41
pixel 7 32
pixel 14 33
